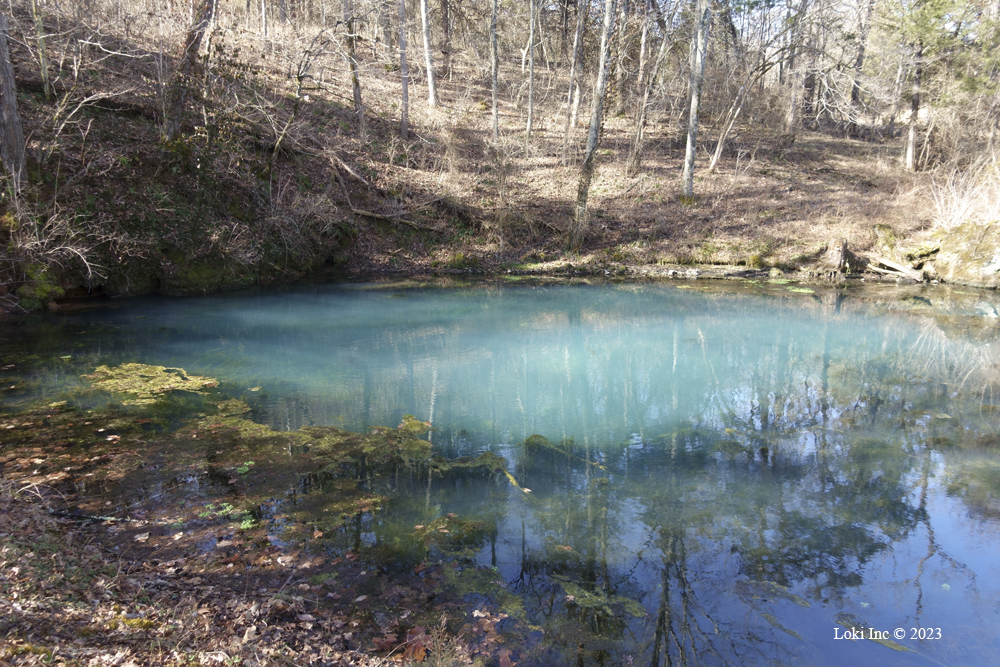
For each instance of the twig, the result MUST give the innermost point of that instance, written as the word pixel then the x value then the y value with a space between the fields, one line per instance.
pixel 346 167
pixel 378 216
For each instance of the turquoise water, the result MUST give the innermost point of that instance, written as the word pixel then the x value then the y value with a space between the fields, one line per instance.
pixel 730 474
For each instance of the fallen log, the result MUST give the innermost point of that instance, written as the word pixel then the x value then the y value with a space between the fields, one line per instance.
pixel 895 268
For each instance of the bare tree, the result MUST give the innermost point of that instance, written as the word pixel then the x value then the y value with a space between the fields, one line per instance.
pixel 178 89
pixel 352 65
pixel 43 58
pixel 404 116
pixel 703 20
pixel 446 42
pixel 646 85
pixel 579 226
pixel 533 10
pixel 911 137
pixel 865 24
pixel 11 133
pixel 573 96
pixel 432 96
pixel 495 70
pixel 794 69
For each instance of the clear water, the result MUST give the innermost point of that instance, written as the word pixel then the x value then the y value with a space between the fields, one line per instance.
pixel 758 469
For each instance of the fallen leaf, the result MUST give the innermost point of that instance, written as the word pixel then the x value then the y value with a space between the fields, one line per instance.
pixel 142 537
pixel 361 598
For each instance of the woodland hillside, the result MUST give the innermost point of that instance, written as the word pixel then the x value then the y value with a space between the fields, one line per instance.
pixel 188 147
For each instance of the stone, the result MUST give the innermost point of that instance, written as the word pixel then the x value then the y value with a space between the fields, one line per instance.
pixel 970 255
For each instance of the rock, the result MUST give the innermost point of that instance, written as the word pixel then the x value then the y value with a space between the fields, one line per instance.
pixel 886 243
pixel 970 255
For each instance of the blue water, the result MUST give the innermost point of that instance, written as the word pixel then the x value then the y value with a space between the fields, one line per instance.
pixel 758 468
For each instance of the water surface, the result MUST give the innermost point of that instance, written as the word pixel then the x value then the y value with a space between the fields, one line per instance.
pixel 726 475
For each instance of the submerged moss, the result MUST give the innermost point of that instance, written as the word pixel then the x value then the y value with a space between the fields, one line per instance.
pixel 597 600
pixel 749 590
pixel 147 383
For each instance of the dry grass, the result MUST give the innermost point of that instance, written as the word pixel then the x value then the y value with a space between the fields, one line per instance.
pixel 966 195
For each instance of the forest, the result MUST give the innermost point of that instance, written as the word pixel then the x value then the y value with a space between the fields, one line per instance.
pixel 184 148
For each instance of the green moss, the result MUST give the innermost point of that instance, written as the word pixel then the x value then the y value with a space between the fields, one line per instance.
pixel 147 383
pixel 599 601
pixel 40 287
pixel 460 260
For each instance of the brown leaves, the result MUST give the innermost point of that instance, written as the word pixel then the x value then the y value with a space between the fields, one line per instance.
pixel 416 644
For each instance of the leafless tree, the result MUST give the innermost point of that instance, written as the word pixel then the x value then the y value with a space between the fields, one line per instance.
pixel 579 227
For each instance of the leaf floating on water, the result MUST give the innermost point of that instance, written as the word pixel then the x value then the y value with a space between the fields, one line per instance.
pixel 801 290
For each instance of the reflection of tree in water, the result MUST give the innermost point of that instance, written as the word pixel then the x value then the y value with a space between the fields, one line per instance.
pixel 745 440
pixel 807 482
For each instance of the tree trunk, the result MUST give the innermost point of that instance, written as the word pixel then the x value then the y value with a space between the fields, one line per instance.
pixel 43 58
pixel 911 139
pixel 622 55
pixel 579 227
pixel 446 43
pixel 11 132
pixel 495 67
pixel 352 65
pixel 432 96
pixel 635 154
pixel 187 70
pixel 859 63
pixel 702 22
pixel 573 96
pixel 404 117
pixel 794 71
pixel 385 26
pixel 809 106
pixel 643 47
pixel 531 65
pixel 897 89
